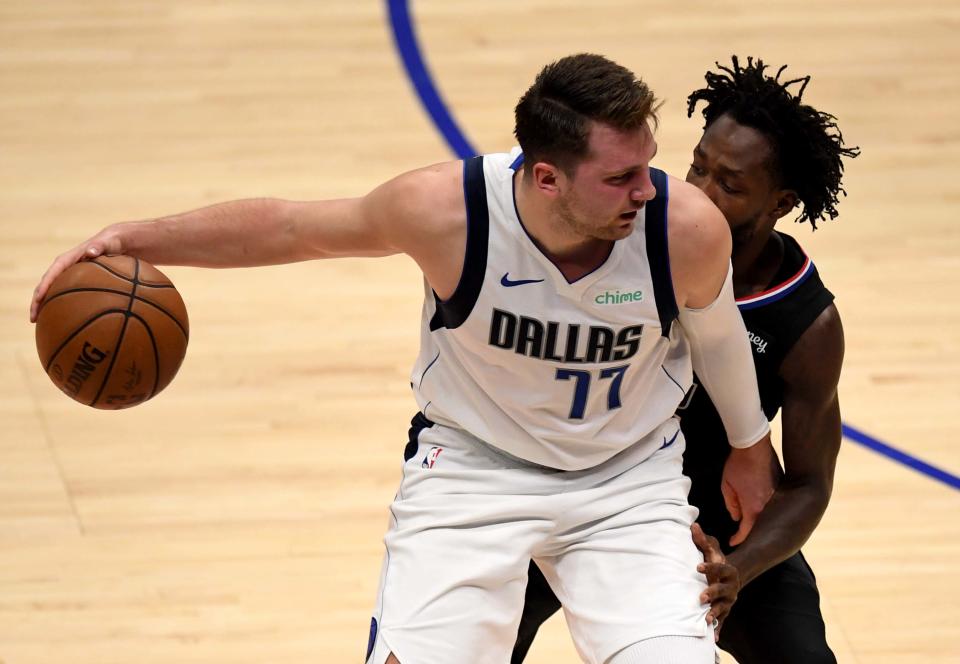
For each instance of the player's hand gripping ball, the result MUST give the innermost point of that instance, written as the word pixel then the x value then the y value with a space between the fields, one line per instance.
pixel 112 332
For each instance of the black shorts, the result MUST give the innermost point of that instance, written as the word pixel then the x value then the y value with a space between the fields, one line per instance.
pixel 776 618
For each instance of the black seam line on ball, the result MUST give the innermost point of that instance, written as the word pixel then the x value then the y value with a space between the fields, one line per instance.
pixel 126 278
pixel 123 331
pixel 111 270
pixel 50 298
pixel 119 292
pixel 77 331
pixel 156 355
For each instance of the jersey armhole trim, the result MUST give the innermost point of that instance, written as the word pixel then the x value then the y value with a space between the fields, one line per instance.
pixel 658 251
pixel 453 312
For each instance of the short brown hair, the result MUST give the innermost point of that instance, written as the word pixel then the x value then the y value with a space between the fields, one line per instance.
pixel 553 117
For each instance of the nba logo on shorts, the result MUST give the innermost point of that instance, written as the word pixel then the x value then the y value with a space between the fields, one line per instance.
pixel 431 457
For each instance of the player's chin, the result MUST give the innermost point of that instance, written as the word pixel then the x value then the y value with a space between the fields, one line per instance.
pixel 623 226
pixel 613 234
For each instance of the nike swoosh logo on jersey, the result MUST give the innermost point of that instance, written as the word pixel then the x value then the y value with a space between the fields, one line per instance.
pixel 668 443
pixel 506 281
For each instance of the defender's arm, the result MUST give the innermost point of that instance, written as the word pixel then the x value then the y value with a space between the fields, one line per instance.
pixel 811 442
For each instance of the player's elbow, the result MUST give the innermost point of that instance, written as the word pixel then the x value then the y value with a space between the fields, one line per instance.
pixel 820 494
pixel 812 491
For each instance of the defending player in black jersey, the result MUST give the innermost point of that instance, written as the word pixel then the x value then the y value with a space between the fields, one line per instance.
pixel 762 153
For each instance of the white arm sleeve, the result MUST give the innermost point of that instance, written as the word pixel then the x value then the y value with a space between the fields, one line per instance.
pixel 723 363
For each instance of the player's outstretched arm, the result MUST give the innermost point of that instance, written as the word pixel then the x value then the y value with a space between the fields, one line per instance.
pixel 700 247
pixel 403 215
pixel 231 234
pixel 811 442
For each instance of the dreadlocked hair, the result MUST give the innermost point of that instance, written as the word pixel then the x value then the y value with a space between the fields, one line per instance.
pixel 807 144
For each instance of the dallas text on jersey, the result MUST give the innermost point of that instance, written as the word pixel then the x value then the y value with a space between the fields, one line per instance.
pixel 543 340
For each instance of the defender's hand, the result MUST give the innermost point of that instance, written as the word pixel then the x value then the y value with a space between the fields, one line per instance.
pixel 106 242
pixel 748 483
pixel 723 579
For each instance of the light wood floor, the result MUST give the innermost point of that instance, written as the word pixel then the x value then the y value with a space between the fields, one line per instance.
pixel 238 517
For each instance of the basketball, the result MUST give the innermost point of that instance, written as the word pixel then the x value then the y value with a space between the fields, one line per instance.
pixel 112 332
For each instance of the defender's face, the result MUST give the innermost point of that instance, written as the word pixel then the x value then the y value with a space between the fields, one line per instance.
pixel 611 184
pixel 730 165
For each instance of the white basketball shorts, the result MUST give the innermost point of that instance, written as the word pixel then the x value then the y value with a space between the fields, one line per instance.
pixel 613 541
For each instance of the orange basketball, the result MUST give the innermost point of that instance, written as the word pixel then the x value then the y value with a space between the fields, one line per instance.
pixel 112 332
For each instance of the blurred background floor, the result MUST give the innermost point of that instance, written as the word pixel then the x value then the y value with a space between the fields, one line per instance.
pixel 239 516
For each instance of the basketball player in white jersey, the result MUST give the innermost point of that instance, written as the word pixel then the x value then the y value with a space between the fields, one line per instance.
pixel 763 153
pixel 570 292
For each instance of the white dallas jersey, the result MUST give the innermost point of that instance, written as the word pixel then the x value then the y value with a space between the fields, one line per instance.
pixel 561 374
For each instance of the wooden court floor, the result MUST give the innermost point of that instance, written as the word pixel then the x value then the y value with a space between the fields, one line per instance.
pixel 238 517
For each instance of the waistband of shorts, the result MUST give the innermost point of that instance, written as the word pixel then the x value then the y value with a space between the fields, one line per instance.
pixel 639 451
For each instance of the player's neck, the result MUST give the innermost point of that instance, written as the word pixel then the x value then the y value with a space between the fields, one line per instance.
pixel 755 263
pixel 574 255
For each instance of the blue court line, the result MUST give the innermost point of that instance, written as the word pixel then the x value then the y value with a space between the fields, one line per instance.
pixel 406 40
pixel 899 456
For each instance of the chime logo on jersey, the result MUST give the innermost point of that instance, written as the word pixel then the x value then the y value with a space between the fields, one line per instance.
pixel 563 342
pixel 616 297
pixel 431 457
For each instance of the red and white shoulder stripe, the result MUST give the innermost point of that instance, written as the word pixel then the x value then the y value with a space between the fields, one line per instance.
pixel 777 292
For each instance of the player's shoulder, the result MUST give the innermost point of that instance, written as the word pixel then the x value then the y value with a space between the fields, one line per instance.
pixel 824 334
pixel 698 235
pixel 797 288
pixel 695 224
pixel 431 193
pixel 815 360
pixel 421 205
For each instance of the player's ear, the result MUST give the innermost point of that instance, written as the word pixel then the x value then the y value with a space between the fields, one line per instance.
pixel 546 177
pixel 786 200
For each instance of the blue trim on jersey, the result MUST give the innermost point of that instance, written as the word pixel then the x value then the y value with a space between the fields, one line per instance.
pixel 673 379
pixel 372 640
pixel 749 304
pixel 658 251
pixel 453 312
pixel 424 374
pixel 406 40
pixel 517 163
